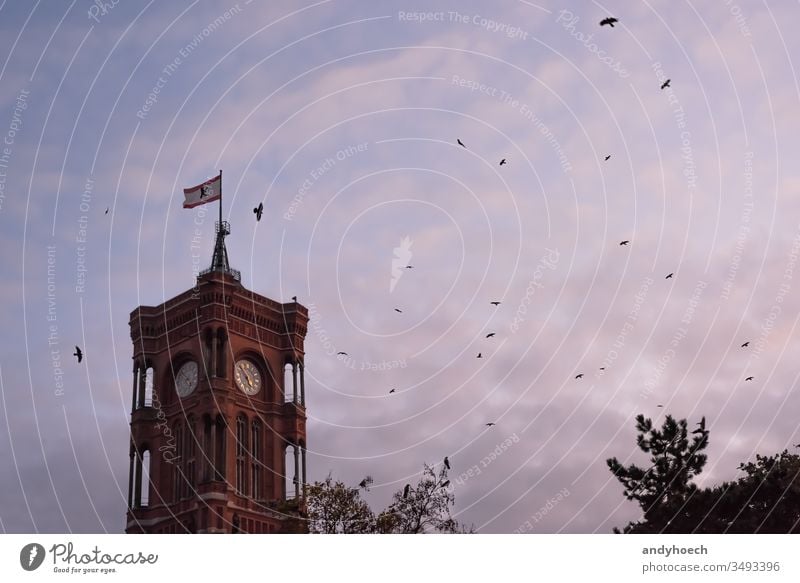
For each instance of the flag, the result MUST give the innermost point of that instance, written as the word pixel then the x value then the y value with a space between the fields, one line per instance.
pixel 209 191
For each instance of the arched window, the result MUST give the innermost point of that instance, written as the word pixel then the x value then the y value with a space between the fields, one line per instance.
pixel 241 457
pixel 177 478
pixel 256 462
pixel 222 352
pixel 288 382
pixel 221 430
pixel 290 472
pixel 145 477
pixel 189 455
pixel 148 387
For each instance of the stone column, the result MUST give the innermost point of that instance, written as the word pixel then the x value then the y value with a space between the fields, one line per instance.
pixel 305 477
pixel 303 385
pixel 135 385
pixel 130 481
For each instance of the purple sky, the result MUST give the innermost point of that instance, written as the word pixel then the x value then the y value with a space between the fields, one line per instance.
pixel 342 117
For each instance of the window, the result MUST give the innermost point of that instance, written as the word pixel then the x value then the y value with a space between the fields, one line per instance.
pixel 255 461
pixel 189 456
pixel 288 382
pixel 241 460
pixel 145 477
pixel 177 478
pixel 148 387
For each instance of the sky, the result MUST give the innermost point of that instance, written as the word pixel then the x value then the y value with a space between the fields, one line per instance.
pixel 343 117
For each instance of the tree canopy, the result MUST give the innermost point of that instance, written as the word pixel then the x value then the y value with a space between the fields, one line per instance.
pixel 335 508
pixel 765 498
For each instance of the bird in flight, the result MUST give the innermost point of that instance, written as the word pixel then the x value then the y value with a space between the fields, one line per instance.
pixel 660 406
pixel 669 276
pixel 665 84
pixel 503 162
pixel 258 210
pixel 490 334
pixel 342 354
pixel 446 462
pixel 480 355
pixel 409 267
pixel 78 354
pixel 579 376
pixel 490 424
pixel 106 210
pixel 609 21
pixel 460 143
pixel 495 303
pixel 746 344
pixel 602 368
pixel 624 242
pixel 608 157
pixel 392 391
pixel 749 379
pixel 398 310
pixel 406 490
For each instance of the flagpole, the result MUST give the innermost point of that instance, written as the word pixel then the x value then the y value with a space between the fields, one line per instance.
pixel 220 198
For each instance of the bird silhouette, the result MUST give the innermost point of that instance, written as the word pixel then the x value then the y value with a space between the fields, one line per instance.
pixel 495 303
pixel 661 406
pixel 363 484
pixel 398 310
pixel 624 242
pixel 491 424
pixel 409 267
pixel 749 379
pixel 609 21
pixel 446 462
pixel 342 354
pixel 608 157
pixel 392 391
pixel 480 355
pixel 503 162
pixel 602 368
pixel 406 490
pixel 579 376
pixel 106 210
pixel 78 354
pixel 258 210
pixel 460 143
pixel 701 425
pixel 490 334
pixel 746 344
pixel 665 84
pixel 669 276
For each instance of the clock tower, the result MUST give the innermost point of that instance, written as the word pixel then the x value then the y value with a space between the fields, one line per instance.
pixel 218 420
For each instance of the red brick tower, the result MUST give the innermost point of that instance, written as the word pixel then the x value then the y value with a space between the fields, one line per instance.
pixel 214 415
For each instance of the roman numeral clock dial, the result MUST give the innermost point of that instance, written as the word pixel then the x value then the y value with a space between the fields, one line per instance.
pixel 247 376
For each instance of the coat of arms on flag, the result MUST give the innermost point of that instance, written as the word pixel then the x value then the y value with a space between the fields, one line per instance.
pixel 209 191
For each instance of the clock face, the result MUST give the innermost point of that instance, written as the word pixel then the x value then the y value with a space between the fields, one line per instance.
pixel 248 379
pixel 186 379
